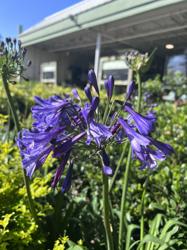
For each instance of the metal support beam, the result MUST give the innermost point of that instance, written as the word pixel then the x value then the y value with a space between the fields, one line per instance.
pixel 97 54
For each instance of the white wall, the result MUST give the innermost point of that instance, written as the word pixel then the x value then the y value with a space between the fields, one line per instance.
pixel 38 56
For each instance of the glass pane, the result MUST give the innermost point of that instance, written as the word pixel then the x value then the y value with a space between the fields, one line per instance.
pixel 118 74
pixel 48 75
pixel 177 63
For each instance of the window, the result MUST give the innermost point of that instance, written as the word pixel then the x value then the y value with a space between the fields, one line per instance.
pixel 118 74
pixel 177 63
pixel 48 75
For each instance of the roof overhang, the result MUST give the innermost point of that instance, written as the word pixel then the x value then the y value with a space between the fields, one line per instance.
pixel 140 23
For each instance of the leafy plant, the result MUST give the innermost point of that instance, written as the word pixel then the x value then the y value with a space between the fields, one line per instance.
pixel 161 235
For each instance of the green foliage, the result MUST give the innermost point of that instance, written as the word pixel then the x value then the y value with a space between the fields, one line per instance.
pixel 18 230
pixel 154 88
pixel 78 246
pixel 176 82
pixel 60 243
pixel 162 234
pixel 3 120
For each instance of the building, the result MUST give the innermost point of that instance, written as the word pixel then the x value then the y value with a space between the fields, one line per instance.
pixel 74 39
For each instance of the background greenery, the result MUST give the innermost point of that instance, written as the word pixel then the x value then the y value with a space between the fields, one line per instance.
pixel 77 214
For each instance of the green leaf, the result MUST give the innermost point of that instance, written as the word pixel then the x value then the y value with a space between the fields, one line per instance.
pixel 4 223
pixel 130 229
pixel 74 246
pixel 154 229
pixel 150 238
pixel 170 224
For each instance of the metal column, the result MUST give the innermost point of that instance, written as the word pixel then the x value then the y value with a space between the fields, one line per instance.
pixel 97 54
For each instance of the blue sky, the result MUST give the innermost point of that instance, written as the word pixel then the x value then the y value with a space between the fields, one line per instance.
pixel 27 13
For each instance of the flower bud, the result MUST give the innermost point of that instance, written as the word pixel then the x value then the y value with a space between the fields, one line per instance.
pixel 88 92
pixel 107 170
pixel 76 94
pixel 109 86
pixel 130 89
pixel 92 80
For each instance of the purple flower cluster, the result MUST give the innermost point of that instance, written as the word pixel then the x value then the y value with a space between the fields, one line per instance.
pixel 61 124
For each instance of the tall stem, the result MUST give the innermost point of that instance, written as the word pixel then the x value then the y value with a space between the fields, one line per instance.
pixel 106 212
pixel 138 78
pixel 106 112
pixel 142 219
pixel 126 175
pixel 118 166
pixel 142 211
pixel 17 126
pixel 123 201
pixel 145 184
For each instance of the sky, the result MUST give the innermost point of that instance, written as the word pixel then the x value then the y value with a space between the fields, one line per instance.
pixel 27 13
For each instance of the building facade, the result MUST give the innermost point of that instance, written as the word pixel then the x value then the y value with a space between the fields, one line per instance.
pixel 64 45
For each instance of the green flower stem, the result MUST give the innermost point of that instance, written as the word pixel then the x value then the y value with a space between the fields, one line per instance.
pixel 106 112
pixel 123 201
pixel 126 175
pixel 145 184
pixel 118 166
pixel 142 211
pixel 138 78
pixel 142 219
pixel 17 125
pixel 106 213
pixel 111 106
pixel 8 125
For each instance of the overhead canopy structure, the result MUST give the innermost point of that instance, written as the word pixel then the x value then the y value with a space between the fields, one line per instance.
pixel 70 37
pixel 141 24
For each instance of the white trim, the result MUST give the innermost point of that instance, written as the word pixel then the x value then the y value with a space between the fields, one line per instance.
pixel 66 13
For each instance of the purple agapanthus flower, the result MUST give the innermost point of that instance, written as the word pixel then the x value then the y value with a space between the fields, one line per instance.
pixel 62 124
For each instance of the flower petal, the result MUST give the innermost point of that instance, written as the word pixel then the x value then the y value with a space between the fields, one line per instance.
pixel 60 169
pixel 144 124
